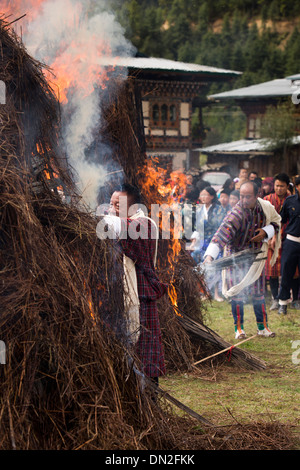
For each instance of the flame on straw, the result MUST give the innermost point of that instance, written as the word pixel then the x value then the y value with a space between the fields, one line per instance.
pixel 161 191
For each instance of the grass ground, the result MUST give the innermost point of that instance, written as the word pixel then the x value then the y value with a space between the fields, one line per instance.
pixel 226 394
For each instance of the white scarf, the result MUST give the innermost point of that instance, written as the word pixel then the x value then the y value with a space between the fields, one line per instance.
pixel 256 269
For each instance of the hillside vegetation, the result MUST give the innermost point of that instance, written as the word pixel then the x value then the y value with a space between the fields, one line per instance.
pixel 259 38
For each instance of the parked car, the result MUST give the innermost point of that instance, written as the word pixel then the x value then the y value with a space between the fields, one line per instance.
pixel 215 178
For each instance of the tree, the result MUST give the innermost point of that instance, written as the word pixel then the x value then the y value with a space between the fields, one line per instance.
pixel 292 52
pixel 279 128
pixel 184 30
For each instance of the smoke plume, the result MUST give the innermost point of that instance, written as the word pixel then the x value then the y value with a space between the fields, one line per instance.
pixel 70 36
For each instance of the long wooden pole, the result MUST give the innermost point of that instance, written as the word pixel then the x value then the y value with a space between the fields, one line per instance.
pixel 224 350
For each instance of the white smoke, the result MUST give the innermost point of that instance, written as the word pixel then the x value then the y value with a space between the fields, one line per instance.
pixel 69 33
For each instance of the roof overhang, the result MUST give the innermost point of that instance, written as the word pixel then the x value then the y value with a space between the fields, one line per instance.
pixel 279 88
pixel 251 147
pixel 152 65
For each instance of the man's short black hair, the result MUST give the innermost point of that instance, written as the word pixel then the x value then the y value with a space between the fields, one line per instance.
pixel 235 193
pixel 258 182
pixel 132 191
pixel 225 191
pixel 282 177
pixel 297 180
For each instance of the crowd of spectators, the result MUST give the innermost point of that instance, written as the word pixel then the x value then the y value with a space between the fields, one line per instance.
pixel 211 206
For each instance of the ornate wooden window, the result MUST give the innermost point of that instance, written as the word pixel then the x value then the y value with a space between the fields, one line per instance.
pixel 254 127
pixel 164 115
pixel 155 113
pixel 173 113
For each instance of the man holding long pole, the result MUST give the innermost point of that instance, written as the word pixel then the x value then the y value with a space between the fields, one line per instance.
pixel 251 223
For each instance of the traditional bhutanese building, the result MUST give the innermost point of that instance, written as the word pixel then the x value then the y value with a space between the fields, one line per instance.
pixel 251 152
pixel 170 92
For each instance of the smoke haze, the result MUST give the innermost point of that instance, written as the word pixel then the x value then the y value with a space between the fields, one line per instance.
pixel 70 37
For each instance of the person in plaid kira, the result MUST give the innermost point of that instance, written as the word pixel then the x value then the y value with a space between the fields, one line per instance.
pixel 142 251
pixel 277 198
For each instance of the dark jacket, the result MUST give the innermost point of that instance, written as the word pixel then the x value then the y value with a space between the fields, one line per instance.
pixel 290 214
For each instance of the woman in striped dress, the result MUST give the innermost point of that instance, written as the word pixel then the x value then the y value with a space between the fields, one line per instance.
pixel 281 183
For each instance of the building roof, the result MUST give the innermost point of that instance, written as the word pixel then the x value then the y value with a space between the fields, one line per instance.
pixel 294 77
pixel 241 146
pixel 176 66
pixel 165 65
pixel 282 87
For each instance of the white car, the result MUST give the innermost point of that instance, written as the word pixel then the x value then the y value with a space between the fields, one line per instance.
pixel 215 178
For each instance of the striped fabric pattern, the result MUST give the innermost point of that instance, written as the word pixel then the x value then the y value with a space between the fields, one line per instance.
pixel 234 235
pixel 274 271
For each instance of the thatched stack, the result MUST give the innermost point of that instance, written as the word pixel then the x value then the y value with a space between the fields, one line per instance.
pixel 68 381
pixel 67 378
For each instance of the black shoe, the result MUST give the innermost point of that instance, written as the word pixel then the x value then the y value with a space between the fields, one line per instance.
pixel 282 309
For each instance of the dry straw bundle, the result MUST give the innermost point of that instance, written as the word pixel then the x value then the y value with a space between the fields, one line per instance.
pixel 69 381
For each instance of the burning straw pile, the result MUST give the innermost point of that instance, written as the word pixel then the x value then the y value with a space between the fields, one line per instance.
pixel 185 336
pixel 69 381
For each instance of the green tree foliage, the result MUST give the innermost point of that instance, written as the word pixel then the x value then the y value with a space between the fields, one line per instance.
pixel 185 30
pixel 292 52
pixel 233 34
pixel 279 126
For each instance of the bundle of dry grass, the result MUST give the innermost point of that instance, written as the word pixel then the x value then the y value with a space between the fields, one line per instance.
pixel 30 118
pixel 67 381
pixel 238 436
pixel 64 380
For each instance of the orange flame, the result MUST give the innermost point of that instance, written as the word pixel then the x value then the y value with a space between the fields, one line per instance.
pixel 160 190
pixel 72 73
pixel 49 171
pixel 17 8
pixel 76 66
pixel 89 301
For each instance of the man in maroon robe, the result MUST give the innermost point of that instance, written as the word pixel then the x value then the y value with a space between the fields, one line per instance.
pixel 138 237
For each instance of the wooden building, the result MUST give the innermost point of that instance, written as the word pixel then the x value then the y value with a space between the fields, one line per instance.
pixel 251 152
pixel 170 92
